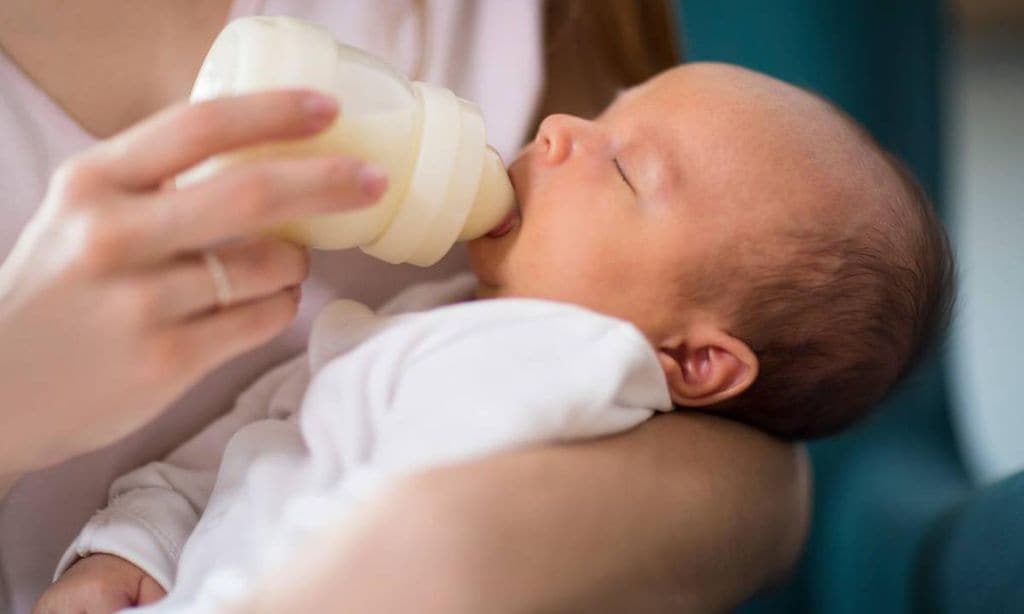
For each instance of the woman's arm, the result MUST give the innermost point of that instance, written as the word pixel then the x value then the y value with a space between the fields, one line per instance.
pixel 8 479
pixel 687 513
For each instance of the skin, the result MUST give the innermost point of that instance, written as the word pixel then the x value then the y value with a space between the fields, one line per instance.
pixel 692 171
pixel 700 482
pixel 101 583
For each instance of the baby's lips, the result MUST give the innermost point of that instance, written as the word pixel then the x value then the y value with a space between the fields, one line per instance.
pixel 514 216
pixel 506 224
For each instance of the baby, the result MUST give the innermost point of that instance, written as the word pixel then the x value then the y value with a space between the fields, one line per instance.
pixel 716 240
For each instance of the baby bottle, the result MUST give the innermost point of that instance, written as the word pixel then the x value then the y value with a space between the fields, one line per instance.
pixel 445 183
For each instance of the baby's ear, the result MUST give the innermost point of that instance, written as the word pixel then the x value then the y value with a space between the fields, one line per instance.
pixel 707 366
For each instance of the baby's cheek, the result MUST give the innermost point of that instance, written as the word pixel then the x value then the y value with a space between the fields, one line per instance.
pixel 571 270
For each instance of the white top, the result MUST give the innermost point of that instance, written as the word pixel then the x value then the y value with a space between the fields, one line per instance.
pixel 376 397
pixel 487 51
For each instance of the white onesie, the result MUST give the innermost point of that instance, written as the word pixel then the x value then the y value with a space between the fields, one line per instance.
pixel 376 396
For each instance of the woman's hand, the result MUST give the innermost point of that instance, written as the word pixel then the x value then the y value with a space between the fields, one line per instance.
pixel 687 513
pixel 108 310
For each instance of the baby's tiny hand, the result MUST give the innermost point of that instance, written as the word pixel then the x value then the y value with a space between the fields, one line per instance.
pixel 99 584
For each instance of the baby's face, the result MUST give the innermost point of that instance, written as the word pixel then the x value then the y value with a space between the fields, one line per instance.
pixel 702 163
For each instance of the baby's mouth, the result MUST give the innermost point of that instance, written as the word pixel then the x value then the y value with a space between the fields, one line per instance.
pixel 506 225
pixel 514 216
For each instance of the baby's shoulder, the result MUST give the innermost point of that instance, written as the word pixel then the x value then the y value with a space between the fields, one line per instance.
pixel 525 322
pixel 492 329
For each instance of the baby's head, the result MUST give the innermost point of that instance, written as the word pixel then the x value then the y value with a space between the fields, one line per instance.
pixel 785 268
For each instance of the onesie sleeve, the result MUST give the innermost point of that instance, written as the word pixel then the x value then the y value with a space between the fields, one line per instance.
pixel 516 373
pixel 153 510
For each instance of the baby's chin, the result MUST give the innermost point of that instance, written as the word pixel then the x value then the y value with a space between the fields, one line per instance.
pixel 486 260
pixel 484 291
pixel 489 254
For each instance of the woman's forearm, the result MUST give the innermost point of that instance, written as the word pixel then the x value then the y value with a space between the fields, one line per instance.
pixel 686 513
pixel 12 465
pixel 6 481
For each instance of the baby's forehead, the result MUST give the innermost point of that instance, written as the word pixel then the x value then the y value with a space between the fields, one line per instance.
pixel 737 128
pixel 729 93
pixel 737 133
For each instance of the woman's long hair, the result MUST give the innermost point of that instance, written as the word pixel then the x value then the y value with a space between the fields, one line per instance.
pixel 594 48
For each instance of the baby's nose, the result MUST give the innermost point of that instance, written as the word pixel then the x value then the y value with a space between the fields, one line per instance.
pixel 556 137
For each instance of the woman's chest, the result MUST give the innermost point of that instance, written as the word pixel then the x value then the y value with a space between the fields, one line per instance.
pixel 107 68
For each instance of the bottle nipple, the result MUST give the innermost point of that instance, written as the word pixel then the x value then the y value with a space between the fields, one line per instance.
pixel 458 191
pixel 493 201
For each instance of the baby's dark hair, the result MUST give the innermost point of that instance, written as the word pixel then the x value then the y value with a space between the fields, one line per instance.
pixel 840 320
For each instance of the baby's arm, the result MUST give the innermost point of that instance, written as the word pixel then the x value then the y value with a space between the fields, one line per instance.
pixel 97 584
pixel 154 509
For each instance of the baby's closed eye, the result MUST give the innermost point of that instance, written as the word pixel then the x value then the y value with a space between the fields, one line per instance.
pixel 618 167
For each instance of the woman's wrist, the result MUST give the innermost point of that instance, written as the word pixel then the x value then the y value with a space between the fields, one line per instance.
pixel 13 465
pixel 35 447
pixel 7 479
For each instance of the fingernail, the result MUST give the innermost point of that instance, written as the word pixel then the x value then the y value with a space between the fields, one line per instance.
pixel 320 107
pixel 372 181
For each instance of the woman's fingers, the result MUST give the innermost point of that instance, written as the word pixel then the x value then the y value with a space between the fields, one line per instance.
pixel 253 270
pixel 250 199
pixel 183 135
pixel 198 345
